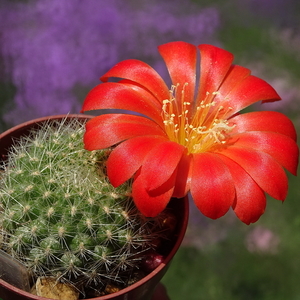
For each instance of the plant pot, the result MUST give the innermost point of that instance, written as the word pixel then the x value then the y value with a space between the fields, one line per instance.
pixel 144 288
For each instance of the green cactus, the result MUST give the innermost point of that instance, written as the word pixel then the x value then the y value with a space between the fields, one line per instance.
pixel 61 217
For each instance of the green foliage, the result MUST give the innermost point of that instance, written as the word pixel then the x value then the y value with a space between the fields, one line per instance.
pixel 62 218
pixel 7 92
pixel 228 270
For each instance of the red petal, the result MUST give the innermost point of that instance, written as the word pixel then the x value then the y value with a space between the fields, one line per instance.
pixel 250 90
pixel 112 95
pixel 214 65
pixel 181 58
pixel 281 147
pixel 250 200
pixel 264 170
pixel 264 121
pixel 107 130
pixel 141 73
pixel 151 203
pixel 235 75
pixel 212 187
pixel 127 157
pixel 160 163
pixel 184 174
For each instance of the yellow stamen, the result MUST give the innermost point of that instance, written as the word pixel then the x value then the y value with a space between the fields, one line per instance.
pixel 197 130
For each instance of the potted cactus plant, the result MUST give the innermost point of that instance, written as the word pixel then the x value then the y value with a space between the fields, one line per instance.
pixel 65 231
pixel 191 138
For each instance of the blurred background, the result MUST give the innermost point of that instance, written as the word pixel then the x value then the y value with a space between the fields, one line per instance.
pixel 52 52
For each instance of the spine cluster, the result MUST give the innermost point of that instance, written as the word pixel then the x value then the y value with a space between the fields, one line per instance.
pixel 61 217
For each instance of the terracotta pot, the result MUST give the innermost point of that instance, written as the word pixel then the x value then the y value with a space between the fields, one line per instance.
pixel 141 290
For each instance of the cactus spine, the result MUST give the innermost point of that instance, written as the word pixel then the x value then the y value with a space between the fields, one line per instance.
pixel 62 218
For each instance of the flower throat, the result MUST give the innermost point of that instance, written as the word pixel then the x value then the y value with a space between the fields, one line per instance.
pixel 196 128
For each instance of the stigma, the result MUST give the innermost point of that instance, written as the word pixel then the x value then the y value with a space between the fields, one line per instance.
pixel 198 127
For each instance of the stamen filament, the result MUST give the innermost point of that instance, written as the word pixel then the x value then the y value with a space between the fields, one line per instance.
pixel 198 131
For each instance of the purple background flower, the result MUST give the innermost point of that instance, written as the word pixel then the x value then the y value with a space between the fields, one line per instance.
pixel 55 51
pixel 52 52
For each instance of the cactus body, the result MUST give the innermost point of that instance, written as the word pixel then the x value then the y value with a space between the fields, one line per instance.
pixel 62 218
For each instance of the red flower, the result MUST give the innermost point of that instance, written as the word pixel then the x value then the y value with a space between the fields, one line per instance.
pixel 190 137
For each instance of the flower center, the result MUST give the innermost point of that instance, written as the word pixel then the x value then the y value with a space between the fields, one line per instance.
pixel 197 128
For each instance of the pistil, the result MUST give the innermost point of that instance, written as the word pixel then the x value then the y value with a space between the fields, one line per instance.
pixel 199 130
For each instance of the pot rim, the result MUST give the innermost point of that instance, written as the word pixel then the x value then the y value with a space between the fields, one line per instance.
pixel 42 119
